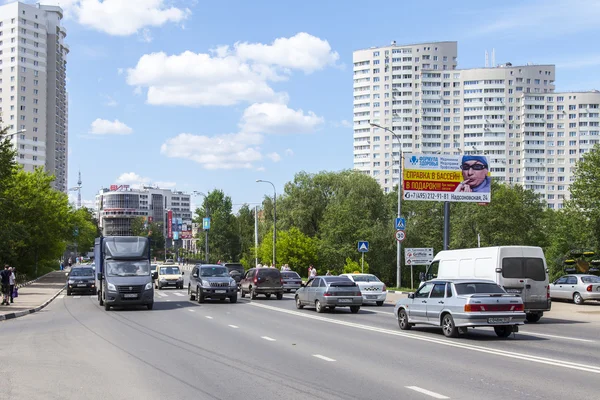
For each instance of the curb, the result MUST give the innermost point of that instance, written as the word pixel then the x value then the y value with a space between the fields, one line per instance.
pixel 394 291
pixel 31 310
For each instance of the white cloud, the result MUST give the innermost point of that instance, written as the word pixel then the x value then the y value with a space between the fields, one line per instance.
pixel 278 118
pixel 128 178
pixel 110 102
pixel 289 152
pixel 228 75
pixel 106 127
pixel 120 71
pixel 228 151
pixel 121 17
pixel 165 185
pixel 346 123
pixel 274 157
pixel 146 35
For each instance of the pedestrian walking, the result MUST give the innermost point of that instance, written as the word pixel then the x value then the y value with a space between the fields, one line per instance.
pixel 70 262
pixel 11 281
pixel 5 283
pixel 313 272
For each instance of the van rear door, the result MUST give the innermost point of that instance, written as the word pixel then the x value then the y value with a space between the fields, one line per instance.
pixel 526 276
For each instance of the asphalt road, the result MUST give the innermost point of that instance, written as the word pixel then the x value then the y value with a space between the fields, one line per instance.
pixel 267 349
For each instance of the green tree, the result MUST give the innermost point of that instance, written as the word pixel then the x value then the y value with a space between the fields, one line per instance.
pixel 83 228
pixel 245 225
pixel 224 239
pixel 293 248
pixel 352 266
pixel 585 192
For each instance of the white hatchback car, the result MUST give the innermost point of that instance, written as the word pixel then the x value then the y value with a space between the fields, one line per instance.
pixel 372 289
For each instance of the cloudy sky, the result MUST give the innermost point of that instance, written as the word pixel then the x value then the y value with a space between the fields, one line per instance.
pixel 197 95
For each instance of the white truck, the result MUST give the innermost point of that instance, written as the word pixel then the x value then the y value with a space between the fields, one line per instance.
pixel 520 270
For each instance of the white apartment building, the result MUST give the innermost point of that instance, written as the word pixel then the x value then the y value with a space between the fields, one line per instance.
pixel 507 112
pixel 33 96
pixel 118 205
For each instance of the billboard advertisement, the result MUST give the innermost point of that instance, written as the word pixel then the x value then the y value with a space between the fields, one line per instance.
pixel 440 177
pixel 169 224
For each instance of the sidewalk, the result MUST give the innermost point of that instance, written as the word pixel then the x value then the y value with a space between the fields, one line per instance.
pixel 35 296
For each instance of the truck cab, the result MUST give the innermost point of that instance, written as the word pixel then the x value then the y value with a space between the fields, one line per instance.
pixel 123 275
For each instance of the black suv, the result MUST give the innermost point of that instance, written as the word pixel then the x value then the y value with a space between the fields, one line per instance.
pixel 81 279
pixel 212 281
pixel 265 281
pixel 236 271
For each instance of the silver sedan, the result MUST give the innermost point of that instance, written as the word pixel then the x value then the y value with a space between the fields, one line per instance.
pixel 457 304
pixel 576 287
pixel 323 292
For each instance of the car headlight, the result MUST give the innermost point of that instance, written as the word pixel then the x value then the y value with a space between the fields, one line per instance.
pixel 205 284
pixel 111 287
pixel 71 281
pixel 232 282
pixel 148 286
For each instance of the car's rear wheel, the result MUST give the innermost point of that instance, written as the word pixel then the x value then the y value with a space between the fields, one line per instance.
pixel 533 317
pixel 354 309
pixel 252 294
pixel 403 321
pixel 577 299
pixel 450 330
pixel 242 293
pixel 379 303
pixel 319 307
pixel 279 296
pixel 503 331
pixel 299 304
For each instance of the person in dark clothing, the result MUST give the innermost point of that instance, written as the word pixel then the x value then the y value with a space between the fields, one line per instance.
pixel 5 281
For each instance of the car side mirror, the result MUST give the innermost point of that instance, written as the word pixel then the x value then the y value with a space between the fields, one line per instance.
pixel 411 295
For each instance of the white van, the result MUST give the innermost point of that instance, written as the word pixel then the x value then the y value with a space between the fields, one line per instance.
pixel 518 269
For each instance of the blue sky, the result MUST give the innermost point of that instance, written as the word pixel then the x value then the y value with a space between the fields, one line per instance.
pixel 199 95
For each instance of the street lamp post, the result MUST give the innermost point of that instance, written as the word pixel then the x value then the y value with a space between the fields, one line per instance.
pixel 205 230
pixel 274 219
pixel 398 243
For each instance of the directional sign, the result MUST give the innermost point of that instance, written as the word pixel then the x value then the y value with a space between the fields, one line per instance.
pixel 400 236
pixel 400 224
pixel 418 256
pixel 363 247
pixel 206 224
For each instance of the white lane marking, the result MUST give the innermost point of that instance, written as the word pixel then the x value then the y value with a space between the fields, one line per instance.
pixel 323 357
pixel 178 294
pixel 62 296
pixel 556 336
pixel 509 354
pixel 76 297
pixel 190 310
pixel 208 316
pixel 267 338
pixel 378 312
pixel 161 294
pixel 234 326
pixel 427 392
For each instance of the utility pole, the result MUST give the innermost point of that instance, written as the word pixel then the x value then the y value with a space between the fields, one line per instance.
pixel 255 236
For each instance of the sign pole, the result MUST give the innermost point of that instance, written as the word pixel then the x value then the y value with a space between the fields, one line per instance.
pixel 363 263
pixel 411 277
pixel 446 225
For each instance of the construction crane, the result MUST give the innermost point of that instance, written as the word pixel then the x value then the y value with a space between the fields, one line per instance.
pixel 78 190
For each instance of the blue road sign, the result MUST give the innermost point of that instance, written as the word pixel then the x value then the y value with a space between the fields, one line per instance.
pixel 206 224
pixel 363 247
pixel 400 224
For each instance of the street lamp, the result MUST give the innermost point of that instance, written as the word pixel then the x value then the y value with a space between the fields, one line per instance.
pixel 196 193
pixel 274 219
pixel 398 244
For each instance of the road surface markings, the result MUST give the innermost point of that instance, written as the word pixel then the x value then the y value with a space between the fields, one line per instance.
pixel 76 297
pixel 208 316
pixel 427 392
pixel 61 296
pixel 268 338
pixel 161 294
pixel 190 310
pixel 234 326
pixel 178 294
pixel 556 337
pixel 323 357
pixel 595 369
pixel 378 312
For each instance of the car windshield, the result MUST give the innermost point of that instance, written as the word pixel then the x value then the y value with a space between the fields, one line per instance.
pixel 153 267
pixel 270 272
pixel 169 271
pixel 82 272
pixel 128 268
pixel 477 287
pixel 220 272
pixel 590 279
pixel 290 275
pixel 365 278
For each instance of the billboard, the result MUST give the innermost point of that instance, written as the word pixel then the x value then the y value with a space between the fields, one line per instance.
pixel 169 224
pixel 440 177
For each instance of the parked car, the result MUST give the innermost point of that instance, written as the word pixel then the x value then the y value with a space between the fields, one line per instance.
pixel 576 287
pixel 81 279
pixel 213 282
pixel 169 275
pixel 291 280
pixel 372 289
pixel 458 304
pixel 236 271
pixel 265 281
pixel 329 292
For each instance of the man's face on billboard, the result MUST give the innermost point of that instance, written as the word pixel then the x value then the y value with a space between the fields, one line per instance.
pixel 474 172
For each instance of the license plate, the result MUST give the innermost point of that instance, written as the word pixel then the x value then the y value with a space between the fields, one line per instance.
pixel 344 300
pixel 220 291
pixel 498 320
pixel 371 297
pixel 84 285
pixel 513 290
pixel 130 296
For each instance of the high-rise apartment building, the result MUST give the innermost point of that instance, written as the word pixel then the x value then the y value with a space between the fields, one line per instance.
pixel 511 113
pixel 33 96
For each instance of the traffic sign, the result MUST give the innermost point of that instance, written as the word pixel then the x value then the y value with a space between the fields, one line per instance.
pixel 418 256
pixel 400 236
pixel 363 247
pixel 400 224
pixel 206 224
